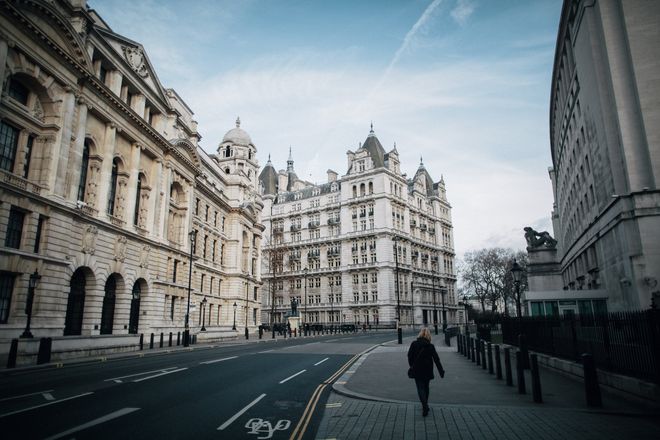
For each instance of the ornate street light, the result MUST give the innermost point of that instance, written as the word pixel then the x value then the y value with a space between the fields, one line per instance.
pixel 192 235
pixel 32 284
pixel 399 332
pixel 203 310
pixel 305 271
pixel 234 326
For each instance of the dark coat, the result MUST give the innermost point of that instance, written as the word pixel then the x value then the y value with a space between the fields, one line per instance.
pixel 423 365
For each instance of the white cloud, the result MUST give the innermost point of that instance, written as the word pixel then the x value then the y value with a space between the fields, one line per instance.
pixel 462 11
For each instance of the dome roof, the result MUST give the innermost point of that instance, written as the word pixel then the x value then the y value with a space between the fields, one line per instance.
pixel 237 135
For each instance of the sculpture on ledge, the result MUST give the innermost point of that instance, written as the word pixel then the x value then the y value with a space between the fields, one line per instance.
pixel 294 307
pixel 539 239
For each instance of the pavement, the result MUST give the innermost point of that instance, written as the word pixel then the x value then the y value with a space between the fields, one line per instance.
pixel 375 399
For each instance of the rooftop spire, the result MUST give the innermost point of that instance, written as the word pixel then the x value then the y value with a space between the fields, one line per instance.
pixel 421 162
pixel 371 131
pixel 238 122
pixel 289 162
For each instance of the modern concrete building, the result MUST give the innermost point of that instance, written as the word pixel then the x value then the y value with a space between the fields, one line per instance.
pixel 102 181
pixel 331 246
pixel 605 140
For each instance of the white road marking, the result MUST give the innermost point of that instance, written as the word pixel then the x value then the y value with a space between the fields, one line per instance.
pixel 44 404
pixel 218 360
pixel 320 362
pixel 25 395
pixel 48 396
pixel 105 418
pixel 333 405
pixel 158 375
pixel 267 351
pixel 331 340
pixel 118 379
pixel 291 377
pixel 240 413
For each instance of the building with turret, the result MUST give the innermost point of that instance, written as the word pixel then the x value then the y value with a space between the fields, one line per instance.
pixel 369 247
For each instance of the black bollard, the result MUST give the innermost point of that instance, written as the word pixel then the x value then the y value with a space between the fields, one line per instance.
pixel 45 348
pixel 161 339
pixel 141 341
pixel 498 363
pixel 459 343
pixel 473 350
pixel 13 354
pixel 151 341
pixel 591 387
pixel 261 332
pixel 507 366
pixel 170 341
pixel 536 378
pixel 478 349
pixel 178 338
pixel 524 353
pixel 520 369
pixel 490 358
pixel 247 334
pixel 483 355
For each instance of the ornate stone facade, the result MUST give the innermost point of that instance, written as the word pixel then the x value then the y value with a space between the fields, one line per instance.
pixel 102 181
pixel 331 246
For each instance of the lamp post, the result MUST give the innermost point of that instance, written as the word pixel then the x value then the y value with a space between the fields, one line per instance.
pixel 234 326
pixel 305 272
pixel 443 292
pixel 192 235
pixel 203 314
pixel 32 284
pixel 247 293
pixel 435 311
pixel 516 273
pixel 396 286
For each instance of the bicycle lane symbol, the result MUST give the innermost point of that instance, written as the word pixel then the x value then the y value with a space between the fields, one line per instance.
pixel 258 426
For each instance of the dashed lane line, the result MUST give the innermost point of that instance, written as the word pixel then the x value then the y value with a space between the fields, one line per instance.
pixel 320 362
pixel 291 377
pixel 218 360
pixel 119 379
pixel 158 375
pixel 105 418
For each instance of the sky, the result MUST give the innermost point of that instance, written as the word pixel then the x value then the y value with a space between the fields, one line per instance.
pixel 463 84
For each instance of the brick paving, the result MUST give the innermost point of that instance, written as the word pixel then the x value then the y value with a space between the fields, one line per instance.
pixel 375 400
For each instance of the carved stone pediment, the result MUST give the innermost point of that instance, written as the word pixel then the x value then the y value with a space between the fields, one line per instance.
pixel 135 58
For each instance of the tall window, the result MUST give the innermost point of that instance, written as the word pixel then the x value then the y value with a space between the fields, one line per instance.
pixel 14 228
pixel 8 146
pixel 108 310
pixel 83 171
pixel 28 156
pixel 6 289
pixel 40 228
pixel 136 213
pixel 113 187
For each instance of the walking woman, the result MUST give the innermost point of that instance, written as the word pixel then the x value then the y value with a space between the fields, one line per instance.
pixel 421 356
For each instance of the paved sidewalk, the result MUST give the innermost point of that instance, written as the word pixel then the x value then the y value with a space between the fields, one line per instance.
pixel 375 399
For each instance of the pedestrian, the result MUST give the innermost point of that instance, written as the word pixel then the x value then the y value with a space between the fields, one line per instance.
pixel 421 356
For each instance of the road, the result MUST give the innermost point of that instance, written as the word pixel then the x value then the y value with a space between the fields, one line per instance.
pixel 267 390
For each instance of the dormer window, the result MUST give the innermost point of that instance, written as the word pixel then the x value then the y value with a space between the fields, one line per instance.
pixel 228 152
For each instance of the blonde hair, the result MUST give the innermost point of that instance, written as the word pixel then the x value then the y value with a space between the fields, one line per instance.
pixel 425 333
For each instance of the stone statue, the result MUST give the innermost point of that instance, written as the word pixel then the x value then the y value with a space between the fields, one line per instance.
pixel 539 239
pixel 294 307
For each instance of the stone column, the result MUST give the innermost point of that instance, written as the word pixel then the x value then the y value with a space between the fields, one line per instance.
pixel 59 164
pixel 75 158
pixel 114 79
pixel 137 103
pixel 106 167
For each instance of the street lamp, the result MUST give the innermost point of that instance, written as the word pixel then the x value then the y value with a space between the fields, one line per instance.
pixel 516 273
pixel 192 235
pixel 203 310
pixel 398 300
pixel 443 292
pixel 32 284
pixel 234 326
pixel 305 271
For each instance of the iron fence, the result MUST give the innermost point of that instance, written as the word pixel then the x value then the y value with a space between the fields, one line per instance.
pixel 627 343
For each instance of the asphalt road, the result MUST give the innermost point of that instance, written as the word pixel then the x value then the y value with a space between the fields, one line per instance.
pixel 256 391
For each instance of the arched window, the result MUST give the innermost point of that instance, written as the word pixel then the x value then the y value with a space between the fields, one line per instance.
pixel 354 191
pixel 108 311
pixel 227 170
pixel 113 187
pixel 82 184
pixel 362 189
pixel 371 187
pixel 138 196
pixel 75 304
pixel 134 318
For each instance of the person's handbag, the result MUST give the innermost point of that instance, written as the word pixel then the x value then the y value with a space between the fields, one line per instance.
pixel 411 373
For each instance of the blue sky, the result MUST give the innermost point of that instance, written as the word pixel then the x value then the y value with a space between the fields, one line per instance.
pixel 463 83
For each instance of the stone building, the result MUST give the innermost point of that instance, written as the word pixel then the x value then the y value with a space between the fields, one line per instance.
pixel 331 246
pixel 605 140
pixel 103 181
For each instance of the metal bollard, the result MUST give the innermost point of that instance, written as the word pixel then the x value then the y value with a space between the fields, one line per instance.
pixel 490 358
pixel 507 366
pixel 151 341
pixel 483 355
pixel 473 349
pixel 161 339
pixel 520 369
pixel 178 338
pixel 13 354
pixel 536 379
pixel 524 352
pixel 141 341
pixel 45 348
pixel 478 348
pixel 591 387
pixel 498 363
pixel 170 341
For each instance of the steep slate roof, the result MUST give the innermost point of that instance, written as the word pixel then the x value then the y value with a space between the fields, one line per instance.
pixel 375 149
pixel 268 178
pixel 424 174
